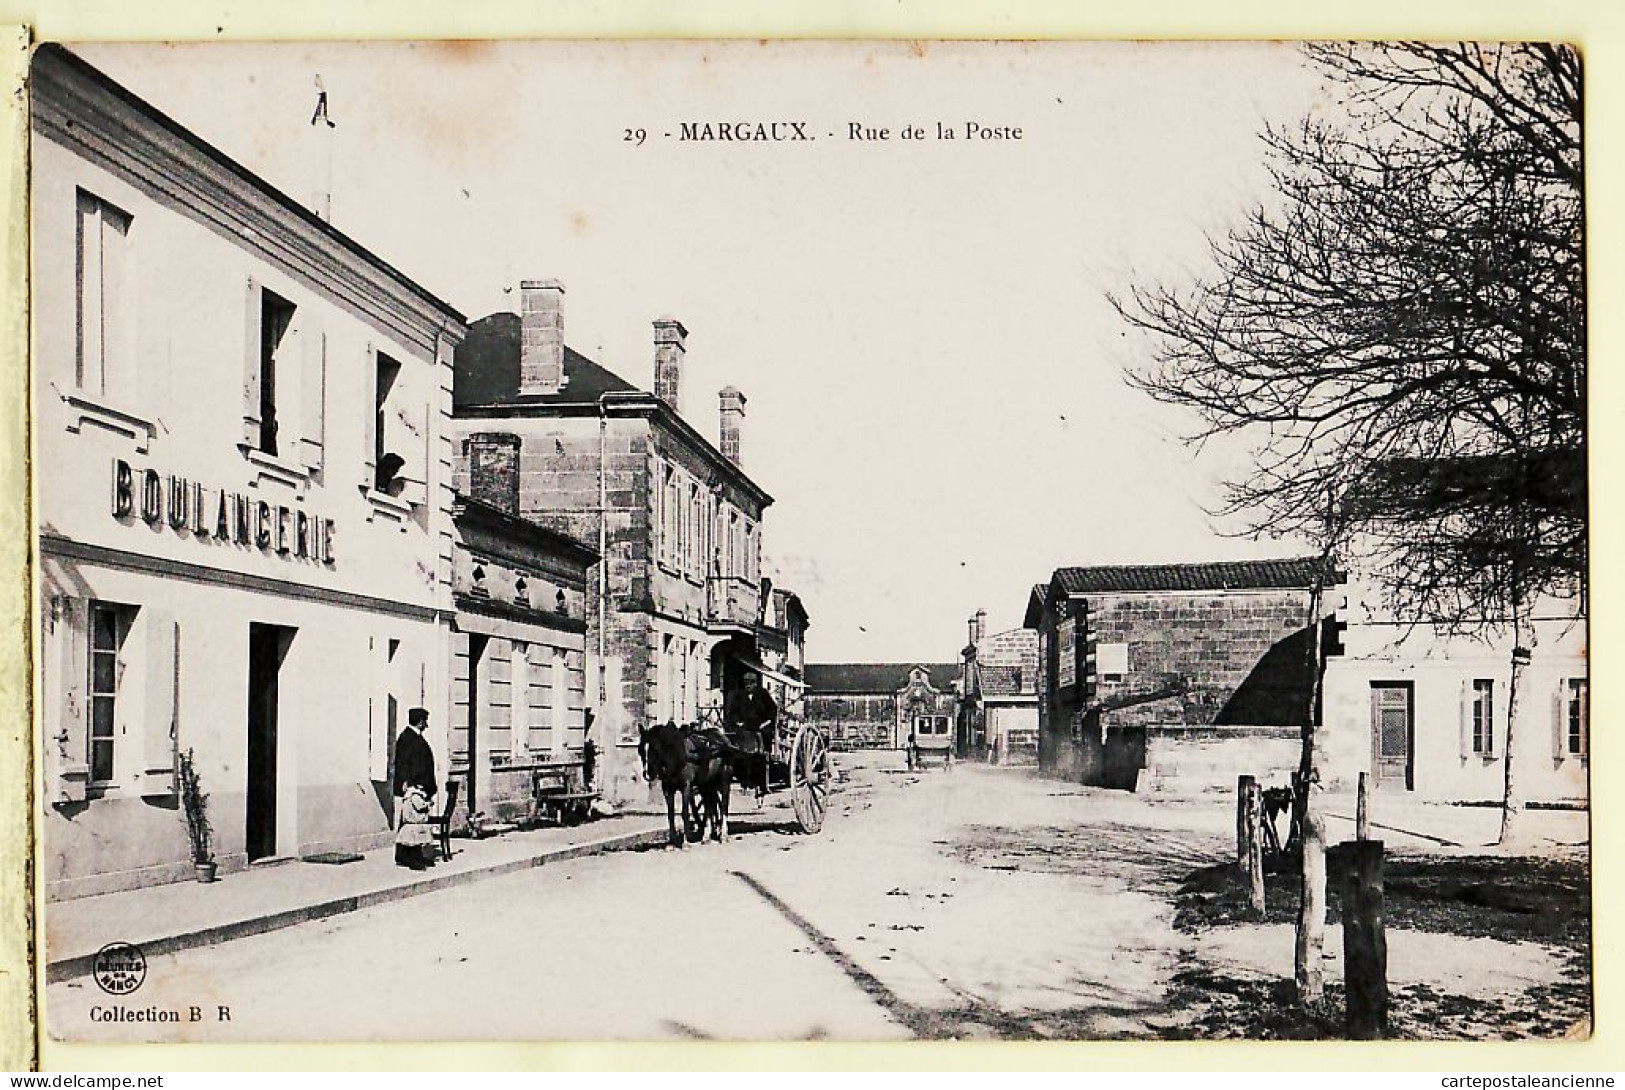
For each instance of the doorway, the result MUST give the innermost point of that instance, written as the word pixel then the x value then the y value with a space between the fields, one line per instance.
pixel 1392 733
pixel 267 647
pixel 476 700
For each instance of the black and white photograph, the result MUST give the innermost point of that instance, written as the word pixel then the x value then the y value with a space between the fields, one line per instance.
pixel 792 541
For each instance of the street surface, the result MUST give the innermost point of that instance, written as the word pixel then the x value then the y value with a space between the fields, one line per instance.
pixel 976 902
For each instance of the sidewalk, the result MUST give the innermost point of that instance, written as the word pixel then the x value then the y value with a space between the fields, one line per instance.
pixel 161 919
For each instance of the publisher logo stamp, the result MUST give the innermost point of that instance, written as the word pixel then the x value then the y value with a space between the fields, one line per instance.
pixel 120 967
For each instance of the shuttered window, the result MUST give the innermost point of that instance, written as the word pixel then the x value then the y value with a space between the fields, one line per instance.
pixel 109 625
pixel 103 341
pixel 1483 716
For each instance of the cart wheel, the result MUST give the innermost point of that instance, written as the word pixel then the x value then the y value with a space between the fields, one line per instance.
pixel 809 779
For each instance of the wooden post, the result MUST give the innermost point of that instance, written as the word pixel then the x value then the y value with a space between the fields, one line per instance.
pixel 1365 945
pixel 1255 850
pixel 1362 809
pixel 1244 853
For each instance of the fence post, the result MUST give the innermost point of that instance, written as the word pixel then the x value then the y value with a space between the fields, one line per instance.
pixel 1365 945
pixel 1255 850
pixel 1244 852
pixel 1362 808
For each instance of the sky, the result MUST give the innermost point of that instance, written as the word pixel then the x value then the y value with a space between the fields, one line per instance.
pixel 921 328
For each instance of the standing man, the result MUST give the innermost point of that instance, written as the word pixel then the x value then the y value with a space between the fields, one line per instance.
pixel 414 792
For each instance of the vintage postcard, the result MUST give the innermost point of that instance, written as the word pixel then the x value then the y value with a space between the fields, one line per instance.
pixel 810 541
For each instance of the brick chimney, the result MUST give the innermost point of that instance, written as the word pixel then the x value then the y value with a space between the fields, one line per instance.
pixel 671 345
pixel 733 416
pixel 493 469
pixel 541 336
pixel 979 626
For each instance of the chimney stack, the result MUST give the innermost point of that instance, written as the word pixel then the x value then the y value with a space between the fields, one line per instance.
pixel 979 626
pixel 541 337
pixel 733 416
pixel 671 345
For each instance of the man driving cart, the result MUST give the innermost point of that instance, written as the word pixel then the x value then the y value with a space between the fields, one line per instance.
pixel 751 710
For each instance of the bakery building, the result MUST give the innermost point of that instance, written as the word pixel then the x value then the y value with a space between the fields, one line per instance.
pixel 243 499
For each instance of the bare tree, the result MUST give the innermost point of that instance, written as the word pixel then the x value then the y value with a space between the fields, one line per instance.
pixel 1402 324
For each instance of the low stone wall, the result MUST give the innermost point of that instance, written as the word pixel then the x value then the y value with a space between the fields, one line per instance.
pixel 1183 760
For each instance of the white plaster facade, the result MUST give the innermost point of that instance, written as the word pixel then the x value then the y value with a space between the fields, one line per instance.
pixel 208 580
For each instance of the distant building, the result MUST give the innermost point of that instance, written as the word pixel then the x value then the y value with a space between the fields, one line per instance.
pixel 1425 711
pixel 1175 675
pixel 781 639
pixel 518 702
pixel 675 602
pixel 242 498
pixel 999 682
pixel 877 705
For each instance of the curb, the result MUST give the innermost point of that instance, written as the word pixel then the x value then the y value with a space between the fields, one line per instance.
pixel 81 964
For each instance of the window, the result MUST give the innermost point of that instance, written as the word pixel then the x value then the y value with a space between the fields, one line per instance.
pixel 1576 718
pixel 102 275
pixel 276 316
pixel 1483 713
pixel 1111 660
pixel 387 463
pixel 109 625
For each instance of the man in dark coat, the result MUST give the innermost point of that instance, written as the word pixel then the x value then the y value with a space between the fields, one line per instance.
pixel 754 710
pixel 414 792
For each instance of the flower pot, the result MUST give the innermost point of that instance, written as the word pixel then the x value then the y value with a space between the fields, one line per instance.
pixel 205 871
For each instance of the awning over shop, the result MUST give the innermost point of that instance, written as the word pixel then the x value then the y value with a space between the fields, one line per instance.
pixel 751 662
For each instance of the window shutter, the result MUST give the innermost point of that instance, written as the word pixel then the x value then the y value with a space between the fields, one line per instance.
pixel 369 414
pixel 378 709
pixel 67 769
pixel 411 441
pixel 313 396
pixel 1560 720
pixel 519 698
pixel 556 727
pixel 251 367
pixel 1466 717
pixel 160 723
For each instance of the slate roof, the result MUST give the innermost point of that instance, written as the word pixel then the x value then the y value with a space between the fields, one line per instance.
pixel 1035 606
pixel 1231 575
pixel 875 677
pixel 487 370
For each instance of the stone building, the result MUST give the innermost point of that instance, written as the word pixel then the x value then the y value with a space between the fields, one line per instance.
pixel 242 495
pixel 877 705
pixel 518 702
pixel 674 603
pixel 999 681
pixel 1175 675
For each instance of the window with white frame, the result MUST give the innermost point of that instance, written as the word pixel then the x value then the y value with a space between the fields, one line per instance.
pixel 103 342
pixel 1576 718
pixel 109 627
pixel 1483 716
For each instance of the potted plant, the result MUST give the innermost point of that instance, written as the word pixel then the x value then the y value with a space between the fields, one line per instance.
pixel 195 808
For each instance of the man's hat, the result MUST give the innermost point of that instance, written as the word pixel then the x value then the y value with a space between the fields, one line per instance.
pixel 417 716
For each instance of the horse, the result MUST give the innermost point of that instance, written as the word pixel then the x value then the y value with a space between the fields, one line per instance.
pixel 686 761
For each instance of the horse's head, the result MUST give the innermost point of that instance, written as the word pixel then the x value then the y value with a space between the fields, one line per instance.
pixel 660 747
